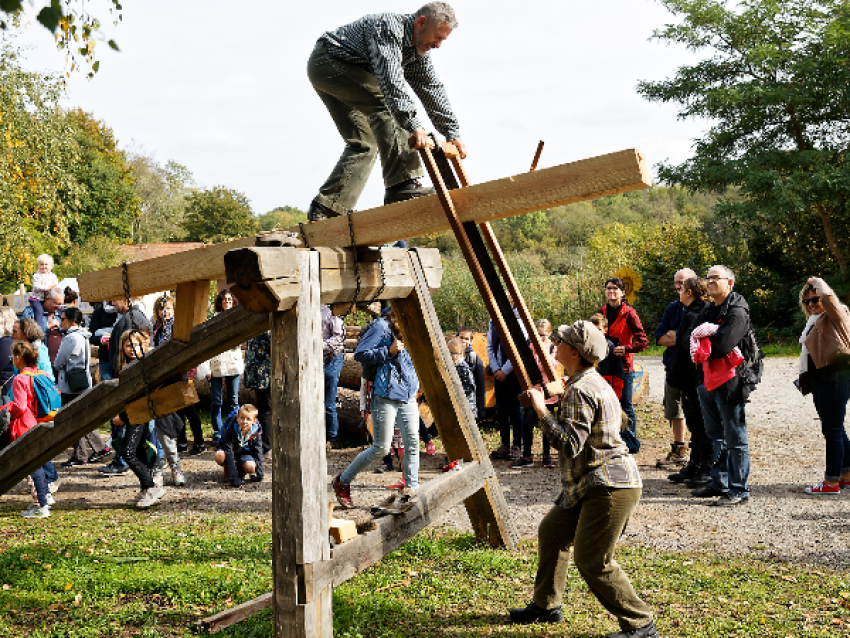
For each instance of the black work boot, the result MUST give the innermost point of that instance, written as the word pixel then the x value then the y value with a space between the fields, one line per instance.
pixel 648 631
pixel 687 472
pixel 410 189
pixel 319 211
pixel 532 613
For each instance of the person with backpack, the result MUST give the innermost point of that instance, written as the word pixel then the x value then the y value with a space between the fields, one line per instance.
pixel 383 357
pixel 32 403
pixel 723 406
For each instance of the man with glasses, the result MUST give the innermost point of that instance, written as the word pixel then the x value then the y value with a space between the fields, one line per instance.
pixel 723 407
pixel 665 335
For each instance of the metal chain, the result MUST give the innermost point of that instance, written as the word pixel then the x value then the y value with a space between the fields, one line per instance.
pixel 134 329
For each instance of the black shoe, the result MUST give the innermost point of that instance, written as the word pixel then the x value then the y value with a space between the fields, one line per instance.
pixel 703 478
pixel 318 211
pixel 182 448
pixel 72 462
pixel 689 471
pixel 647 631
pixel 410 189
pixel 707 492
pixel 196 450
pixel 731 499
pixel 113 469
pixel 533 613
pixel 97 456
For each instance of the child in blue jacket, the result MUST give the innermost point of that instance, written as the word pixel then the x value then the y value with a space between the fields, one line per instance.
pixel 240 450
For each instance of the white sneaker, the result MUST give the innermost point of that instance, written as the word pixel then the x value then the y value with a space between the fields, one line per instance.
pixel 50 500
pixel 54 486
pixel 179 478
pixel 37 512
pixel 156 475
pixel 151 497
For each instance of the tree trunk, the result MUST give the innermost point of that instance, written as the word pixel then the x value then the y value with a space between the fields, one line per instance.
pixel 826 220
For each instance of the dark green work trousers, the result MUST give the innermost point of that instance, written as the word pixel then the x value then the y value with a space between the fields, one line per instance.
pixel 355 101
pixel 591 528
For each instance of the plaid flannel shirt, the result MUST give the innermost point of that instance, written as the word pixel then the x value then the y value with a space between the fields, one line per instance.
pixel 383 42
pixel 587 433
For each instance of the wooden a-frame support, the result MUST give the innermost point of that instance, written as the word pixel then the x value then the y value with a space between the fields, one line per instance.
pixel 305 569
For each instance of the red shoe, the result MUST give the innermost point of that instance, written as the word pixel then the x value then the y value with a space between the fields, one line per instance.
pixel 430 448
pixel 823 488
pixel 396 486
pixel 342 491
pixel 843 484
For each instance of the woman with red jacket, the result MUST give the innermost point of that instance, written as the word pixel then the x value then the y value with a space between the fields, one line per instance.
pixel 628 335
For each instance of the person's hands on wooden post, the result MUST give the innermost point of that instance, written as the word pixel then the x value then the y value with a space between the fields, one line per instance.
pixel 460 146
pixel 537 401
pixel 419 139
pixel 396 346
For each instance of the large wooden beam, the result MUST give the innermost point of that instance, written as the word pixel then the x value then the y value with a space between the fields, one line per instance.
pixel 424 340
pixel 299 491
pixel 95 406
pixel 544 188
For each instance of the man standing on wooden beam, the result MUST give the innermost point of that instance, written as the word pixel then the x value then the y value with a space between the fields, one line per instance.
pixel 359 72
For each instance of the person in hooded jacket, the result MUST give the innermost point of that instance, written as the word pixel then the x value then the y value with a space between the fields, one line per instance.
pixel 682 375
pixel 240 450
pixel 723 407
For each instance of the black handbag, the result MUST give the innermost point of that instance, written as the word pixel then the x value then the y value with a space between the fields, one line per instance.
pixel 803 383
pixel 77 378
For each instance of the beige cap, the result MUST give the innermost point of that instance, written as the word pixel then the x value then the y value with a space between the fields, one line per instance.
pixel 586 338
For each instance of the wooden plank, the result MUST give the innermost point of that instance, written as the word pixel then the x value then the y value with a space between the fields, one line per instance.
pixel 299 492
pixel 342 530
pixel 95 406
pixel 165 401
pixel 579 181
pixel 160 273
pixel 193 299
pixel 435 497
pixel 423 338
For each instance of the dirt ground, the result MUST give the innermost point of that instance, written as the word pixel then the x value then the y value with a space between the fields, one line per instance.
pixel 779 521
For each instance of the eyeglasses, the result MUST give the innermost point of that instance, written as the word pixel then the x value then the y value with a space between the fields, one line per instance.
pixel 714 278
pixel 811 301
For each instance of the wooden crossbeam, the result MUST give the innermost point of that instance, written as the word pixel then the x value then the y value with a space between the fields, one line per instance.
pixel 579 181
pixel 171 398
pixel 265 279
pixel 95 406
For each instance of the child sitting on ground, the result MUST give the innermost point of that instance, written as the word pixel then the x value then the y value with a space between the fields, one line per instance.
pixel 42 282
pixel 240 450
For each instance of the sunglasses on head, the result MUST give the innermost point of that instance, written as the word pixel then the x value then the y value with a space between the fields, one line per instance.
pixel 811 301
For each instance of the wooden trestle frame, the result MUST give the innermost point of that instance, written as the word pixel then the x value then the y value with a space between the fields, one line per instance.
pixel 282 287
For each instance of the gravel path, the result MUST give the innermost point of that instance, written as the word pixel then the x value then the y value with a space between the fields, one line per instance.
pixel 779 521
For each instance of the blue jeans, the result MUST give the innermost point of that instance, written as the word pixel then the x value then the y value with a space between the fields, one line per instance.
pixel 630 434
pixel 385 414
pixel 232 386
pixel 40 482
pixel 332 370
pixel 830 392
pixel 50 472
pixel 726 426
pixel 105 368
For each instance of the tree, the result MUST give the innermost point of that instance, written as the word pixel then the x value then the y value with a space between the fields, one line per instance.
pixel 218 214
pixel 107 204
pixel 281 217
pixel 72 26
pixel 162 192
pixel 774 90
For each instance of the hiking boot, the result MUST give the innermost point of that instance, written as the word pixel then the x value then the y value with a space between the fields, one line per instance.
pixel 151 497
pixel 703 478
pixel 113 470
pixel 36 512
pixel 676 457
pixel 823 488
pixel 318 212
pixel 343 492
pixel 501 453
pixel 532 613
pixel 514 454
pixel 548 462
pixel 523 461
pixel 688 472
pixel 647 631
pixel 410 189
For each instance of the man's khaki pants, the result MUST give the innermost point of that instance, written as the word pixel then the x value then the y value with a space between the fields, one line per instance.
pixel 591 528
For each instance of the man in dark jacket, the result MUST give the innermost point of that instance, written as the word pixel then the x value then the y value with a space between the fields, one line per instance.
pixel 723 407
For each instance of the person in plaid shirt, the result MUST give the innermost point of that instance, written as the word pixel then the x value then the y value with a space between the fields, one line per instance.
pixel 360 72
pixel 601 487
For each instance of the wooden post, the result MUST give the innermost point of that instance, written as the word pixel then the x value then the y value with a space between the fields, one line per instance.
pixel 193 298
pixel 424 340
pixel 299 491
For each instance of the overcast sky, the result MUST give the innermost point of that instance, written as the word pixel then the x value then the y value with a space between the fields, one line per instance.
pixel 223 90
